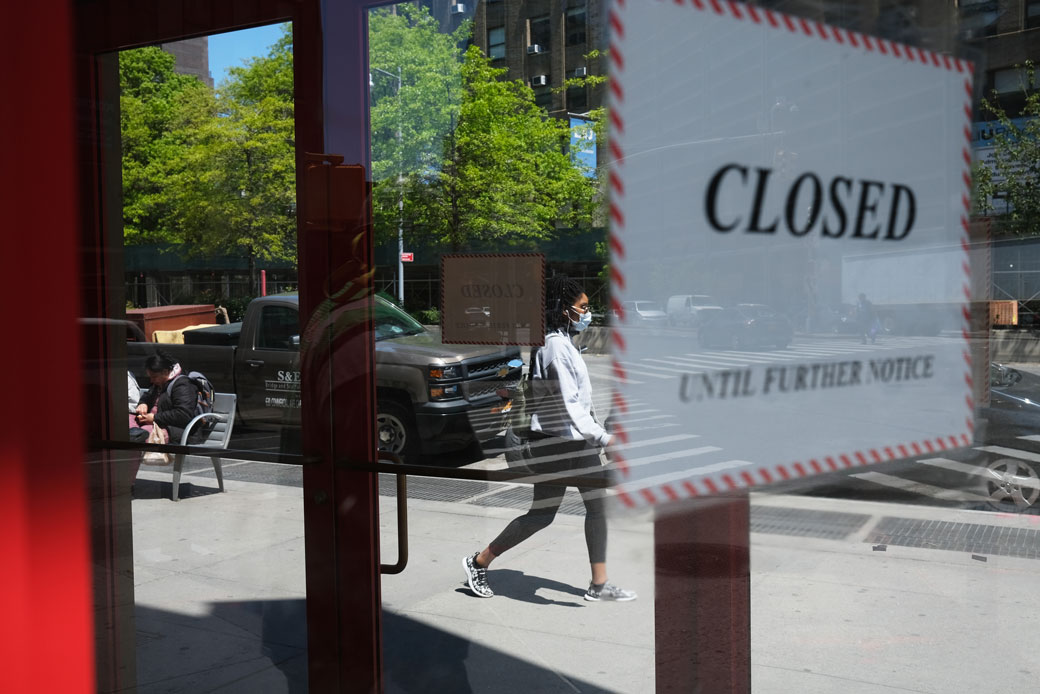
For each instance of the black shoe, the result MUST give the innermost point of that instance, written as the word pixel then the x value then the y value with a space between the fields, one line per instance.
pixel 476 577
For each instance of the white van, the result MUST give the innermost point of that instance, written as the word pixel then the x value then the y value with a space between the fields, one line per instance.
pixel 690 309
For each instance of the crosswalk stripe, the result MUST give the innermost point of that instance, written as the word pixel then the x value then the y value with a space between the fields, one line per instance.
pixel 1031 437
pixel 974 470
pixel 689 452
pixel 658 480
pixel 810 352
pixel 642 365
pixel 630 420
pixel 604 373
pixel 660 440
pixel 919 487
pixel 721 356
pixel 1012 452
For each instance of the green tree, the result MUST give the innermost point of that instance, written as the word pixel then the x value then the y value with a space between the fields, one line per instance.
pixel 1013 172
pixel 504 175
pixel 415 89
pixel 233 190
pixel 152 97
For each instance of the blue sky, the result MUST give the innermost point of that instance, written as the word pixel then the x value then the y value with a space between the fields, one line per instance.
pixel 231 49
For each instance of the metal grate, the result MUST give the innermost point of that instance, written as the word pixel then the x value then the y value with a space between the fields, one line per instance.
pixel 827 525
pixel 267 473
pixel 433 489
pixel 957 537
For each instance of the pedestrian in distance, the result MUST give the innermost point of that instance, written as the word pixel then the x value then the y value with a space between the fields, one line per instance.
pixel 868 320
pixel 567 437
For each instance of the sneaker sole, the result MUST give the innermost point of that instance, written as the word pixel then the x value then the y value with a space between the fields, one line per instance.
pixel 594 599
pixel 469 580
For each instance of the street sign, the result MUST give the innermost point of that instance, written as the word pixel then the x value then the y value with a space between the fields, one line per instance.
pixel 756 157
pixel 407 257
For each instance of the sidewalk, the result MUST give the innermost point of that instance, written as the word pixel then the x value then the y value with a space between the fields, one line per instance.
pixel 220 586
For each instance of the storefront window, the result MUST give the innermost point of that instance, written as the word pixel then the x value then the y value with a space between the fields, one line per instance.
pixel 730 389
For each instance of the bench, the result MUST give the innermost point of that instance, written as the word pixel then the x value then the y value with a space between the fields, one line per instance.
pixel 217 437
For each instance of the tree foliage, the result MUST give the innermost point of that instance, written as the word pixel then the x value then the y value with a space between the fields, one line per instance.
pixel 233 190
pixel 470 157
pixel 1013 173
pixel 152 97
pixel 210 172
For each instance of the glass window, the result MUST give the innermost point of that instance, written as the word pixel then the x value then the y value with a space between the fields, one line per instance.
pixel 543 96
pixel 1010 81
pixel 577 96
pixel 207 228
pixel 279 328
pixel 1032 14
pixel 497 43
pixel 539 32
pixel 574 25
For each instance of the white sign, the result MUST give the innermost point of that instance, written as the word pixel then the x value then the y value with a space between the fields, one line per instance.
pixel 756 157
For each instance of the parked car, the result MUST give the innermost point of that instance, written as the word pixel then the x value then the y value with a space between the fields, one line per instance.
pixel 1011 483
pixel 688 309
pixel 746 325
pixel 644 311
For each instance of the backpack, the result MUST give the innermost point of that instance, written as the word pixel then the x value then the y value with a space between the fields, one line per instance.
pixel 518 428
pixel 204 399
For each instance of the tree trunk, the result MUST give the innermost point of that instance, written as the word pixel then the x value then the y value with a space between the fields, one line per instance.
pixel 254 287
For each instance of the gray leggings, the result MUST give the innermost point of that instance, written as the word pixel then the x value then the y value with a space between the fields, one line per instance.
pixel 574 455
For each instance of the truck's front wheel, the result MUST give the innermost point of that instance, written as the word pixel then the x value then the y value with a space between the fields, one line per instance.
pixel 395 430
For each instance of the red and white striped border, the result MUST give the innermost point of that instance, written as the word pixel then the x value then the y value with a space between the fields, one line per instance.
pixel 616 131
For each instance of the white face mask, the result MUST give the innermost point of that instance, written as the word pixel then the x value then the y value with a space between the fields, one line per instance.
pixel 582 323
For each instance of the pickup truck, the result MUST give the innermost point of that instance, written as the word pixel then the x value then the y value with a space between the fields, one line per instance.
pixel 431 397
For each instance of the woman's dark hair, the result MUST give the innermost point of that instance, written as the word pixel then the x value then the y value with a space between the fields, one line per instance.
pixel 560 293
pixel 160 361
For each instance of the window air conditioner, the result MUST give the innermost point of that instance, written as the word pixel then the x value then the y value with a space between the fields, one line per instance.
pixel 579 72
pixel 539 81
pixel 458 8
pixel 534 48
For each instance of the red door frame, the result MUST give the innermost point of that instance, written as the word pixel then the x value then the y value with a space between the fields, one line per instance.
pixel 44 585
pixel 340 508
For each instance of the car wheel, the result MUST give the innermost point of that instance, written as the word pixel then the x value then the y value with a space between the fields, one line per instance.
pixel 395 430
pixel 1012 485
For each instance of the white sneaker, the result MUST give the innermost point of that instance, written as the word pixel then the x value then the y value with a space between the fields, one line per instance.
pixel 609 591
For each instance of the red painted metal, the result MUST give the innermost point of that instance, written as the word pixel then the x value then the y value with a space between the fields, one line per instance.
pixel 702 594
pixel 45 604
pixel 343 600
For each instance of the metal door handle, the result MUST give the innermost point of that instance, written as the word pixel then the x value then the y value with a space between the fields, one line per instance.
pixel 402 519
pixel 255 363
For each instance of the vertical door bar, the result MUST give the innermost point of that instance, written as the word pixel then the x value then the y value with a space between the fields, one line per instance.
pixel 335 259
pixel 702 595
pixel 45 581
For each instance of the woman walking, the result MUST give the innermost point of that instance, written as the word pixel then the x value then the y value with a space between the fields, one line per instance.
pixel 566 435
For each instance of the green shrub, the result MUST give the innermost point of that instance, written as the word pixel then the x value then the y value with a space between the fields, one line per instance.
pixel 430 316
